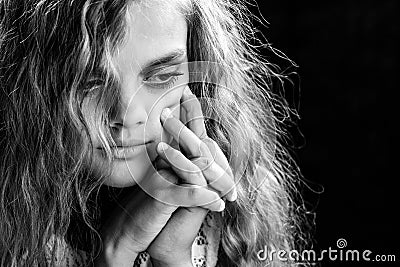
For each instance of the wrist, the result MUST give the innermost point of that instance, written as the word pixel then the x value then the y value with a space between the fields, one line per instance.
pixel 183 260
pixel 110 257
pixel 157 263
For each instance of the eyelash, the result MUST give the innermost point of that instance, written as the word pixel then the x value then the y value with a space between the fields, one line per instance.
pixel 173 77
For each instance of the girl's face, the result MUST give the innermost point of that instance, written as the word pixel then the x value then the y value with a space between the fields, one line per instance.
pixel 152 67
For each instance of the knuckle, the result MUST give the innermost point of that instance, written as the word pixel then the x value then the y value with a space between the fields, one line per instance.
pixel 203 134
pixel 197 178
pixel 193 175
pixel 200 149
pixel 208 139
pixel 204 147
pixel 195 149
pixel 193 193
pixel 206 161
pixel 211 144
pixel 203 162
pixel 198 161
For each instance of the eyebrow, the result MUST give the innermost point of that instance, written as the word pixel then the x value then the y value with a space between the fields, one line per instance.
pixel 163 60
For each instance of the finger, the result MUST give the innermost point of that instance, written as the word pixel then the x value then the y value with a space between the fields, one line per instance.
pixel 196 147
pixel 182 166
pixel 160 164
pixel 194 115
pixel 223 163
pixel 217 178
pixel 174 144
pixel 182 115
pixel 188 221
pixel 161 179
pixel 183 135
pixel 192 196
pixel 220 157
pixel 200 171
pixel 188 217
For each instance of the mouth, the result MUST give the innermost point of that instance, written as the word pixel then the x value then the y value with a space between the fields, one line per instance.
pixel 127 151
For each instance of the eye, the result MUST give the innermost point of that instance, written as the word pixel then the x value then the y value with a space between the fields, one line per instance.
pixel 92 86
pixel 162 79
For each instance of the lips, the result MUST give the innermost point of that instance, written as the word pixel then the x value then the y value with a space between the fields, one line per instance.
pixel 128 149
pixel 131 143
pixel 123 152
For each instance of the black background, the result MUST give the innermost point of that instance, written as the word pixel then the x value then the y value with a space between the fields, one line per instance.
pixel 347 53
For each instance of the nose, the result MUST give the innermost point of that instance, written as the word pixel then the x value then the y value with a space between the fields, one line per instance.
pixel 129 117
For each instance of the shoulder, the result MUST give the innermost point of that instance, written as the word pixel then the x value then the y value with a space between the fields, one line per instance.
pixel 65 254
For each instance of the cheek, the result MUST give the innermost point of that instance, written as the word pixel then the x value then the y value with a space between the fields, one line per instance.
pixel 170 99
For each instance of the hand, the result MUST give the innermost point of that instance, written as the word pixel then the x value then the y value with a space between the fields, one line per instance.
pixel 208 167
pixel 141 217
pixel 206 164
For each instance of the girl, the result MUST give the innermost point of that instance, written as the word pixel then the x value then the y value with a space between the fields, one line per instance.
pixel 107 158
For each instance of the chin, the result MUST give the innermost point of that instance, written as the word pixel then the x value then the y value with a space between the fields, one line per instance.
pixel 130 172
pixel 127 173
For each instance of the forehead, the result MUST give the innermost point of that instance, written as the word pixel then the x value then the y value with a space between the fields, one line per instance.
pixel 154 28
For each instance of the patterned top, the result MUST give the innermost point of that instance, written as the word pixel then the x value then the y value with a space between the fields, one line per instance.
pixel 204 248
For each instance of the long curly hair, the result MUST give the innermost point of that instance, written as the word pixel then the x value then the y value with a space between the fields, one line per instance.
pixel 54 53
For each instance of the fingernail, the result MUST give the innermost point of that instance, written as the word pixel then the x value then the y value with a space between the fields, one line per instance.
pixel 234 195
pixel 221 206
pixel 166 113
pixel 162 147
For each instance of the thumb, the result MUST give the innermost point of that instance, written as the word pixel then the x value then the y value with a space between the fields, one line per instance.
pixel 188 221
pixel 160 164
